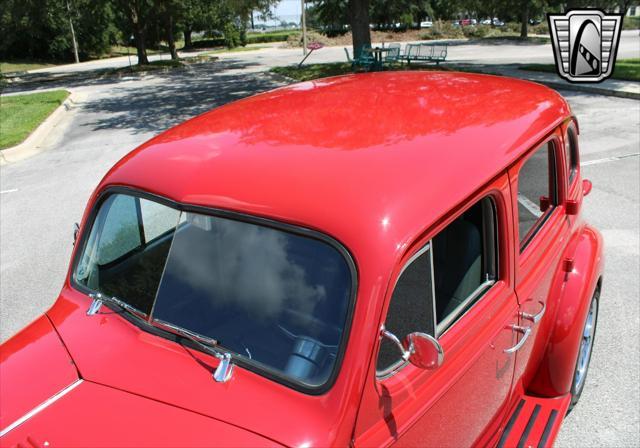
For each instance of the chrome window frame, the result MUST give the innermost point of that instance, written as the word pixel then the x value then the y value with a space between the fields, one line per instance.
pixel 393 368
pixel 469 303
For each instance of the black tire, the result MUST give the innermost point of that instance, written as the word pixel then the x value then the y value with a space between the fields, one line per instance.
pixel 582 364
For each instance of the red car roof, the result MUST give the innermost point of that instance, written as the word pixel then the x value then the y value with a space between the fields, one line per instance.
pixel 380 155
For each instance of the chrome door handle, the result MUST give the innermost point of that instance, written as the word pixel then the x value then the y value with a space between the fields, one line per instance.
pixel 525 331
pixel 535 318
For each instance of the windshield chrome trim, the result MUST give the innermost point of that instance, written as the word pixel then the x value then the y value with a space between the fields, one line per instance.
pixel 297 229
pixel 41 407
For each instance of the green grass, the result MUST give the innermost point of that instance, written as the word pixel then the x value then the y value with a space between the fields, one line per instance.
pixel 625 69
pixel 314 71
pixel 236 49
pixel 21 114
pixel 153 65
pixel 121 50
pixel 22 66
pixel 273 33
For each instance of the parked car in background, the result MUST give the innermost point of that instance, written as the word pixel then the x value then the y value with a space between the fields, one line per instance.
pixel 495 22
pixel 426 24
pixel 281 272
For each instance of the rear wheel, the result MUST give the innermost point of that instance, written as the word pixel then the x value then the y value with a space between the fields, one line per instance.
pixel 585 350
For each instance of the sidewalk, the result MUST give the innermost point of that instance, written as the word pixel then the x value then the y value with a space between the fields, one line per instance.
pixel 610 87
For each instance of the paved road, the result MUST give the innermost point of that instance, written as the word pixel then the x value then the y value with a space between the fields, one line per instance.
pixel 43 196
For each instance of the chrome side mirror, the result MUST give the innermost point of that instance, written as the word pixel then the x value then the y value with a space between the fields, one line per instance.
pixel 76 232
pixel 420 349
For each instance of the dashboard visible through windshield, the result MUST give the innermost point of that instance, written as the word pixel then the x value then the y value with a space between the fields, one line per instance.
pixel 275 298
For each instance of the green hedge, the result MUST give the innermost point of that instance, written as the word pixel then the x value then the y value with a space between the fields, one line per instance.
pixel 265 38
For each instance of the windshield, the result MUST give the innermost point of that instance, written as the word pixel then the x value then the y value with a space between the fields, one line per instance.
pixel 276 299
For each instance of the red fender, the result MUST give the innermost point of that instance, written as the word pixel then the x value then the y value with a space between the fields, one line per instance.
pixel 555 374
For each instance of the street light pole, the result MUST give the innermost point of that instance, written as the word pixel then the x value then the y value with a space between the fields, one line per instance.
pixel 73 34
pixel 304 29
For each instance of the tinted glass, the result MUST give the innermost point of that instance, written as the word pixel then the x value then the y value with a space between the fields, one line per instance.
pixel 458 265
pixel 276 298
pixel 410 310
pixel 536 190
pixel 117 260
pixel 273 297
pixel 570 151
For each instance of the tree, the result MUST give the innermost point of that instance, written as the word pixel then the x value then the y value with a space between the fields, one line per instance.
pixel 136 15
pixel 359 19
pixel 39 29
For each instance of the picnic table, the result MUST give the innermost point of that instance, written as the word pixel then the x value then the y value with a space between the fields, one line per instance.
pixel 377 54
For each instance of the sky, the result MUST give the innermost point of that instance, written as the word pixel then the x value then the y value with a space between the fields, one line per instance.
pixel 287 10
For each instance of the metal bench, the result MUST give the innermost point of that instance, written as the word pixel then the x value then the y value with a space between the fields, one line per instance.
pixel 425 53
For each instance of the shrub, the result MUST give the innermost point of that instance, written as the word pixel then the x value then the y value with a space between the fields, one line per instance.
pixel 209 43
pixel 541 28
pixel 477 32
pixel 266 38
pixel 295 39
pixel 630 23
pixel 231 35
pixel 443 30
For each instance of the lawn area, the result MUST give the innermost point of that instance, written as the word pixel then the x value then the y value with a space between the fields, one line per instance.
pixel 21 114
pixel 625 69
pixel 21 66
pixel 313 71
pixel 236 49
pixel 153 65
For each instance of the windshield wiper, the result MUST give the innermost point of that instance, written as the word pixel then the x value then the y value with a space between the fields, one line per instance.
pixel 225 367
pixel 209 345
pixel 99 299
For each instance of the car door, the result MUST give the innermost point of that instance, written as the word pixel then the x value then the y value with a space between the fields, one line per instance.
pixel 542 231
pixel 458 287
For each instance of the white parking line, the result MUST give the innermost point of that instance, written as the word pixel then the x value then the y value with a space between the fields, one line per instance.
pixel 13 190
pixel 609 159
pixel 529 205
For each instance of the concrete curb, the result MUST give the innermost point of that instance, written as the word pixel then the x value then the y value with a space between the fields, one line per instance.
pixel 33 144
pixel 591 89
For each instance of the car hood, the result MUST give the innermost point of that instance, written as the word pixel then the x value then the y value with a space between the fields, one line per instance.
pixel 45 402
pixel 88 414
pixel 34 365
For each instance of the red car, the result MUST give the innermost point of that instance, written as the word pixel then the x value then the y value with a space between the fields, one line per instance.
pixel 367 260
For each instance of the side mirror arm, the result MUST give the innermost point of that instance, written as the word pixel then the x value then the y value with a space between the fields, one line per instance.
pixel 384 333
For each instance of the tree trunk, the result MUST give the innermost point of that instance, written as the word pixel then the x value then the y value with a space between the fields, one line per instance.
pixel 187 37
pixel 172 40
pixel 359 19
pixel 138 34
pixel 524 18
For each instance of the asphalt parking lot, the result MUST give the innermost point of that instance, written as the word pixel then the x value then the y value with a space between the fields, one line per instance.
pixel 43 196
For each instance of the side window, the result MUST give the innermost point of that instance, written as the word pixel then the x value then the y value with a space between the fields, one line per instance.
pixel 464 262
pixel 537 191
pixel 120 234
pixel 157 219
pixel 571 153
pixel 443 281
pixel 117 259
pixel 410 310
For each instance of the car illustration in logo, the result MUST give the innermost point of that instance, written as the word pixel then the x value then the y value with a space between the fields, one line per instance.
pixel 585 42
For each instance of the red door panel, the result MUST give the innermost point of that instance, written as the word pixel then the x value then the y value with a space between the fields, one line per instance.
pixel 464 402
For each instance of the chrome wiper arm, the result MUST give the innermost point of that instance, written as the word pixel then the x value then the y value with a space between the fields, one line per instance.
pixel 225 368
pixel 99 299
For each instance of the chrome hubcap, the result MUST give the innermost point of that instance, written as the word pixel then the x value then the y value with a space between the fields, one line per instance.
pixel 586 345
